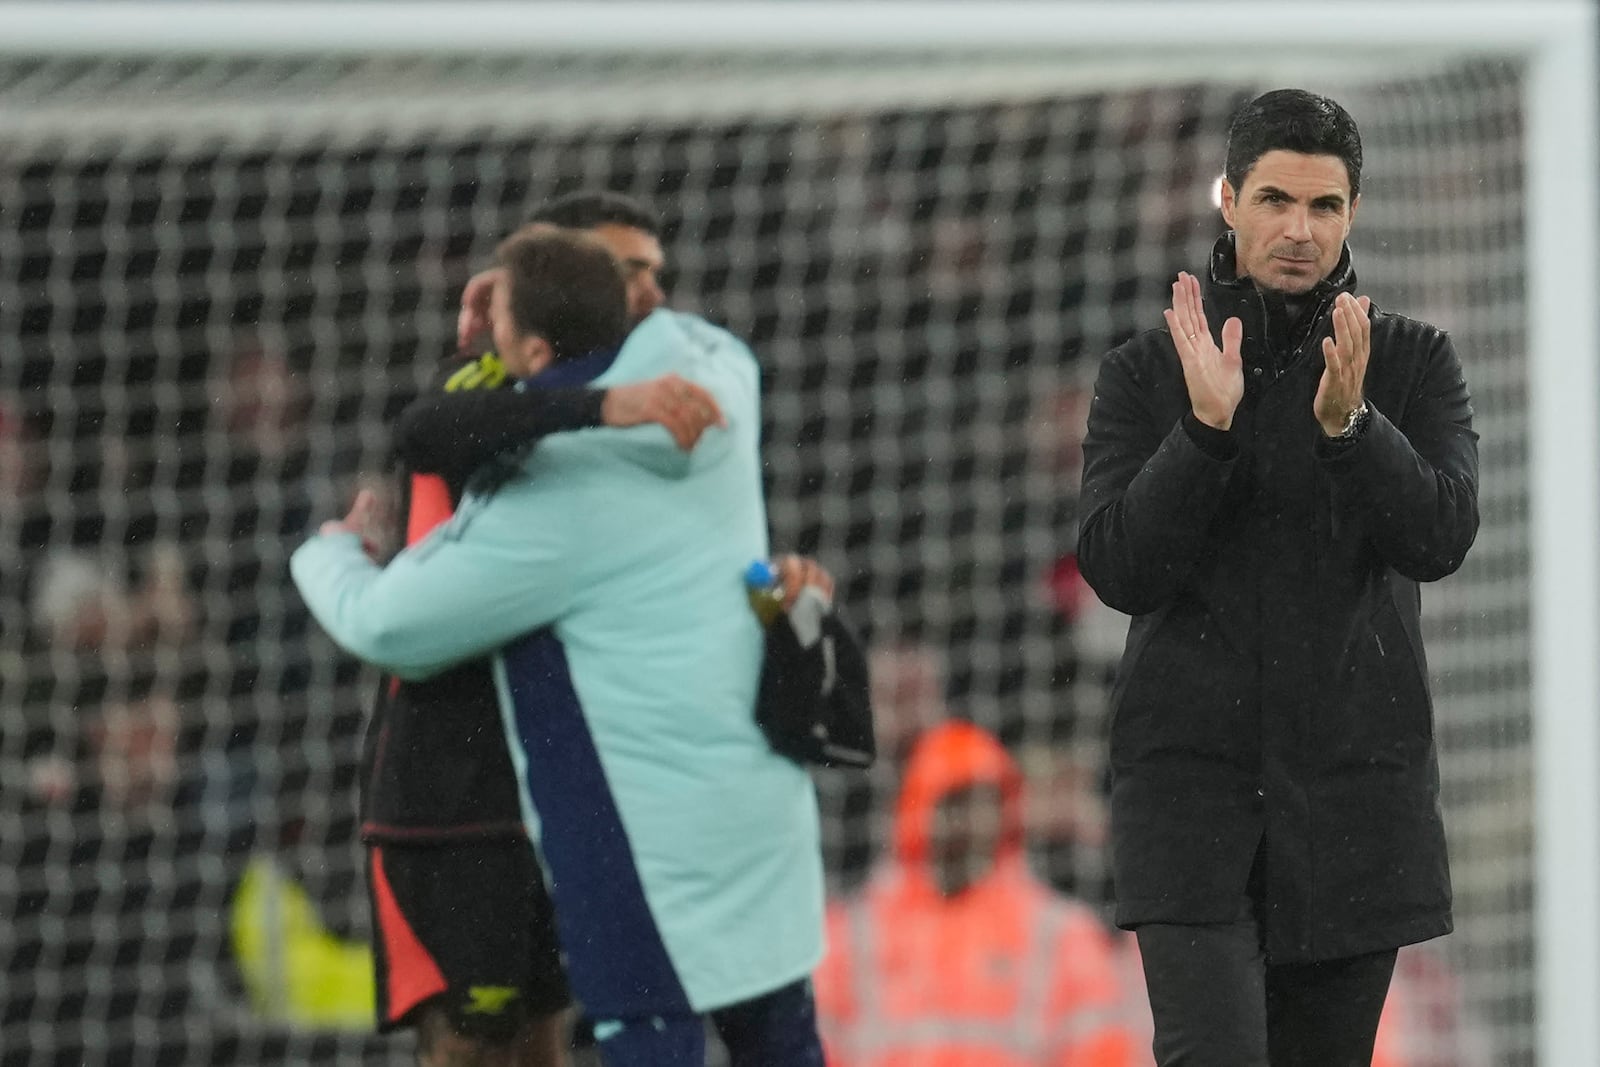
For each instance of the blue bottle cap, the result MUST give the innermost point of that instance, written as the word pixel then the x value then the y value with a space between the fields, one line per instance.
pixel 760 575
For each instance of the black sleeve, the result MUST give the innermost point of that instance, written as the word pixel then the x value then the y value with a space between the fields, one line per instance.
pixel 1417 482
pixel 1218 444
pixel 453 434
pixel 1152 485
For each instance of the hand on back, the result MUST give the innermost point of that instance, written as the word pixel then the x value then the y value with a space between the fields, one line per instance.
pixel 684 408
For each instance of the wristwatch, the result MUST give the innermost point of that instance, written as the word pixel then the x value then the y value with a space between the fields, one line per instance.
pixel 1355 423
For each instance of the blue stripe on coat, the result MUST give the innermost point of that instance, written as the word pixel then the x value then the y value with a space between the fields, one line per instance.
pixel 616 961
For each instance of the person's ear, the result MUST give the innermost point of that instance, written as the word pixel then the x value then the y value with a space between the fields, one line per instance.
pixel 537 355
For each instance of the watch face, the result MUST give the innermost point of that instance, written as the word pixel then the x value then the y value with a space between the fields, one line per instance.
pixel 1357 419
pixel 1351 425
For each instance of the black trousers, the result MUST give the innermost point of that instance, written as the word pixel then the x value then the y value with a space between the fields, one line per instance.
pixel 1218 1003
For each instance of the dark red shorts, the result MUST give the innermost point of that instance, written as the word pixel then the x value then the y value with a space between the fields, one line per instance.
pixel 470 926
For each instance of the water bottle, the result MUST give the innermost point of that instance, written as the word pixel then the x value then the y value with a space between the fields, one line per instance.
pixel 765 589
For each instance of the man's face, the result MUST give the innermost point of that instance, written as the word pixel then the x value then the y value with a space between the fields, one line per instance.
pixel 965 835
pixel 642 261
pixel 1290 219
pixel 524 355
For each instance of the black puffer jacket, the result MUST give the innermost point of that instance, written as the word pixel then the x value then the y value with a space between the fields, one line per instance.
pixel 1273 696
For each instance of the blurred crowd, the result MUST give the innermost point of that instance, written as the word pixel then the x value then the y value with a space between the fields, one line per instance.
pixel 156 686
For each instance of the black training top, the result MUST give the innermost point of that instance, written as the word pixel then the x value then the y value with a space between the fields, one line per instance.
pixel 436 763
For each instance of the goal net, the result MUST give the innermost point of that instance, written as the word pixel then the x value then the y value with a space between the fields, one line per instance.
pixel 221 277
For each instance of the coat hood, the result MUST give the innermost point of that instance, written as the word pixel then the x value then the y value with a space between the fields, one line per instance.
pixel 947 758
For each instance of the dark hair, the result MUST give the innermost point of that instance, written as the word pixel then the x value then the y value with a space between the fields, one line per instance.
pixel 566 288
pixel 586 209
pixel 1296 121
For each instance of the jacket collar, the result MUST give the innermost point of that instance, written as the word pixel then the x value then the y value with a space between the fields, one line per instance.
pixel 1229 295
pixel 1224 271
pixel 571 372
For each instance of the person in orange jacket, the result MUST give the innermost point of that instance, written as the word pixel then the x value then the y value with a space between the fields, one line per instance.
pixel 954 954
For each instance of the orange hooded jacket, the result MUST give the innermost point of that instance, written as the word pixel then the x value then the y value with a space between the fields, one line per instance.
pixel 1004 974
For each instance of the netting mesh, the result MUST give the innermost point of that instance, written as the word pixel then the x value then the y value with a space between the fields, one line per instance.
pixel 210 306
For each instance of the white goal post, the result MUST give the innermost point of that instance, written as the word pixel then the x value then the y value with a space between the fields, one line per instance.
pixel 1057 45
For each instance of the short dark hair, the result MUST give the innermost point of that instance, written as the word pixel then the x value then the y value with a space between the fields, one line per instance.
pixel 586 209
pixel 566 287
pixel 1295 121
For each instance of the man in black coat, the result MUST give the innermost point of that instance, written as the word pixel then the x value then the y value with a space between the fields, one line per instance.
pixel 1264 501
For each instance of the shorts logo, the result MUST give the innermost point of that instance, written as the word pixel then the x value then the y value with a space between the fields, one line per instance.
pixel 489 999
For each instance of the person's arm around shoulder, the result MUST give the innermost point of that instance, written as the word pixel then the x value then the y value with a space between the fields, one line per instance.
pixel 454 433
pixel 726 379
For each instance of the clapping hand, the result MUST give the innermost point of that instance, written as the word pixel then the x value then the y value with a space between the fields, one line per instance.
pixel 1215 377
pixel 1345 354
